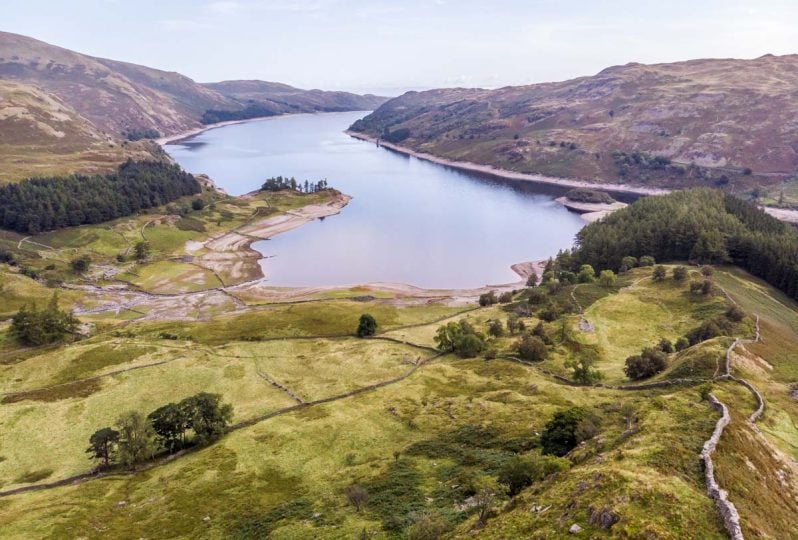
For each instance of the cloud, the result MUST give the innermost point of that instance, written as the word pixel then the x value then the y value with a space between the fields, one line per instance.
pixel 181 25
pixel 223 7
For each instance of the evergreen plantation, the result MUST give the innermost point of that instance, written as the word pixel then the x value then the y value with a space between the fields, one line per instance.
pixel 700 225
pixel 43 204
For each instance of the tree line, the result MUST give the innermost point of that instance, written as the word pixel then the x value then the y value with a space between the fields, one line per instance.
pixel 33 326
pixel 253 110
pixel 42 204
pixel 701 225
pixel 198 419
pixel 279 183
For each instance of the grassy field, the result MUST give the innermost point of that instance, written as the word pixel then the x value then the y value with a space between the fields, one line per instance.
pixel 420 445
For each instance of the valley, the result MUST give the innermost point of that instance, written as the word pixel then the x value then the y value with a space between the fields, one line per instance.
pixel 242 309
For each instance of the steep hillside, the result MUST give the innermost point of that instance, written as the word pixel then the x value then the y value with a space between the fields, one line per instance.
pixel 280 98
pixel 116 97
pixel 65 112
pixel 729 122
pixel 41 135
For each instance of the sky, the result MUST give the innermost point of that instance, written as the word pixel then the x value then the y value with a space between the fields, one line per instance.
pixel 389 46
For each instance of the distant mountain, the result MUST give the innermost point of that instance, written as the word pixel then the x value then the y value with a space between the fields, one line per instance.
pixel 724 122
pixel 278 98
pixel 65 111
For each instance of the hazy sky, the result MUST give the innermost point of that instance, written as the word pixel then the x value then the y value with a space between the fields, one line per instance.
pixel 389 45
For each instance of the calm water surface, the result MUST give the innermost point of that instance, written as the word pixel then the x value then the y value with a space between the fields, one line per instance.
pixel 409 221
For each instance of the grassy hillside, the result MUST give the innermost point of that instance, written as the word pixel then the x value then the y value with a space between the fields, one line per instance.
pixel 421 446
pixel 41 135
pixel 700 122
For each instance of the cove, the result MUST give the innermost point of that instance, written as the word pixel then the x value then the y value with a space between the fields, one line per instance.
pixel 409 221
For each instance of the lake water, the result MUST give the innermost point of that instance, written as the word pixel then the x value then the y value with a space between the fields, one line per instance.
pixel 409 221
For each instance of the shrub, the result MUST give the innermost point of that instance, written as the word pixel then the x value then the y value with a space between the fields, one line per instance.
pixel 559 434
pixel 367 326
pixel 532 279
pixel 586 274
pixel 506 297
pixel 647 260
pixel 681 344
pixel 627 263
pixel 469 346
pixel 531 348
pixel 645 365
pixel 679 273
pixel 607 278
pixel 735 314
pixel 357 496
pixel 197 204
pixel 488 299
pixel 665 346
pixel 659 273
pixel 536 296
pixel 428 526
pixel 80 264
pixel 496 328
pixel 521 471
pixel 707 271
pixel 582 367
pixel 459 337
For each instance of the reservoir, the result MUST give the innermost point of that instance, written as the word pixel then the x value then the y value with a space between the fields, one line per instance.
pixel 409 221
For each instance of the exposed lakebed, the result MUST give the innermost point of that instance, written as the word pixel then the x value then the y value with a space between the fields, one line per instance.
pixel 409 221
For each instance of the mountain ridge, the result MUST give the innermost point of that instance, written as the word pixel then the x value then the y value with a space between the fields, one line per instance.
pixel 698 122
pixel 113 101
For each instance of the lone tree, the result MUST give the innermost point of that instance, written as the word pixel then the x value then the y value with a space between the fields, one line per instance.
pixel 659 273
pixel 102 444
pixel 532 279
pixel 367 326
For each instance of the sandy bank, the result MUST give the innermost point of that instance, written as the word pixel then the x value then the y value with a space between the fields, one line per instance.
pixel 512 175
pixel 196 131
pixel 784 214
pixel 590 212
pixel 232 252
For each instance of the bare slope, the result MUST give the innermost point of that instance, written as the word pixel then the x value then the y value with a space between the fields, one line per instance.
pixel 41 135
pixel 720 116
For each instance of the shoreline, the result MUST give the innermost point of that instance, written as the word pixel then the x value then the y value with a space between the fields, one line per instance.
pixel 177 137
pixel 234 248
pixel 511 175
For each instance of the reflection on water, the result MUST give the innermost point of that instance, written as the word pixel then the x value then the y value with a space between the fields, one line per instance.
pixel 409 221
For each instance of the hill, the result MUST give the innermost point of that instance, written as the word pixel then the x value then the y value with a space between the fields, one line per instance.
pixel 63 111
pixel 42 135
pixel 278 98
pixel 728 122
